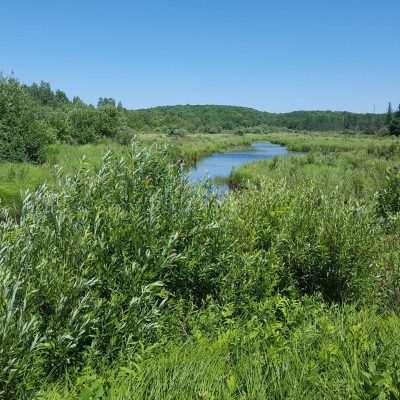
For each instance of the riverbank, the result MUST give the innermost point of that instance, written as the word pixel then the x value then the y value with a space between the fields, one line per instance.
pixel 356 163
pixel 17 178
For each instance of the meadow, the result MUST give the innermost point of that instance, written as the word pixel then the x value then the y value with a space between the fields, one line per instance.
pixel 121 281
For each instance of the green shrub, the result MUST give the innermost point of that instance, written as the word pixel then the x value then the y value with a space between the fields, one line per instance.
pixel 20 339
pixel 100 257
pixel 327 245
pixel 23 135
pixel 83 122
pixel 110 121
pixel 388 197
pixel 323 242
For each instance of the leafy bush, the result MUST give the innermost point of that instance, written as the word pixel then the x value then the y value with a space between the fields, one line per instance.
pixel 83 122
pixel 20 339
pixel 388 197
pixel 110 121
pixel 23 135
pixel 100 257
pixel 319 244
pixel 312 236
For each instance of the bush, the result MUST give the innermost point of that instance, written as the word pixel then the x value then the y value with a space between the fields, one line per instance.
pixel 100 258
pixel 388 197
pixel 321 242
pixel 327 245
pixel 23 135
pixel 394 127
pixel 20 339
pixel 83 122
pixel 110 121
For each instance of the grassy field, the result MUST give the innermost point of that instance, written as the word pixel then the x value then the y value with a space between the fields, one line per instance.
pixel 126 283
pixel 17 178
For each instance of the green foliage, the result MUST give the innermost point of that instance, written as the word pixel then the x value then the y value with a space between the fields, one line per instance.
pixel 106 101
pixel 82 122
pixel 104 254
pixel 394 127
pixel 314 237
pixel 288 350
pixel 110 121
pixel 321 248
pixel 23 135
pixel 120 280
pixel 388 197
pixel 45 96
pixel 39 116
pixel 125 260
pixel 31 117
pixel 213 119
pixel 15 179
pixel 20 338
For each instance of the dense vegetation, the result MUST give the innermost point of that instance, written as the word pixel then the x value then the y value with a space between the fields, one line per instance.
pixel 120 280
pixel 33 116
pixel 214 119
pixel 16 178
pixel 125 282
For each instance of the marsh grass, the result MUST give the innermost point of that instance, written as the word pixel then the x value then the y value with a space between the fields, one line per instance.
pixel 17 178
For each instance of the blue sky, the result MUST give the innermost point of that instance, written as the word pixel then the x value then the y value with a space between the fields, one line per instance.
pixel 271 55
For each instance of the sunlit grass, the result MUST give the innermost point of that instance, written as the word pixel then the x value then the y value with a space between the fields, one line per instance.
pixel 17 178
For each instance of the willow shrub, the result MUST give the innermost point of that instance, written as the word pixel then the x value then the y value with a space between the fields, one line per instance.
pixel 91 266
pixel 388 196
pixel 320 241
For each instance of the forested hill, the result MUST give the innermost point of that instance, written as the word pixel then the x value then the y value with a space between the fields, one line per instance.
pixel 215 118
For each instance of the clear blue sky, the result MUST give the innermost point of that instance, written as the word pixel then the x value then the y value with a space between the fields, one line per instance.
pixel 271 55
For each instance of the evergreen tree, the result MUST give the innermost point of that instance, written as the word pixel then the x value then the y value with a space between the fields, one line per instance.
pixel 389 114
pixel 106 101
pixel 77 101
pixel 61 98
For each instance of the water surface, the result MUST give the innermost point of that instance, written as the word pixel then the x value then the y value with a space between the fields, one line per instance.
pixel 220 165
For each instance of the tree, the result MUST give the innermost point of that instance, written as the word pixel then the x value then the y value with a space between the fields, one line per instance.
pixel 23 134
pixel 110 121
pixel 389 114
pixel 77 101
pixel 106 101
pixel 61 98
pixel 83 123
pixel 394 127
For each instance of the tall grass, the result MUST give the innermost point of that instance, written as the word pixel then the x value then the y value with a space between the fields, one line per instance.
pixel 304 351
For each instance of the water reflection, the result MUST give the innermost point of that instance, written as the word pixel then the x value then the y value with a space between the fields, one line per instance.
pixel 220 165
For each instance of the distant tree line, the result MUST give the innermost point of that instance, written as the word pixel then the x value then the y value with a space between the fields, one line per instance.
pixel 214 119
pixel 34 116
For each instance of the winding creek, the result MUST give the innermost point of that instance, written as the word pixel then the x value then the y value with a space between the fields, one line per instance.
pixel 220 165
